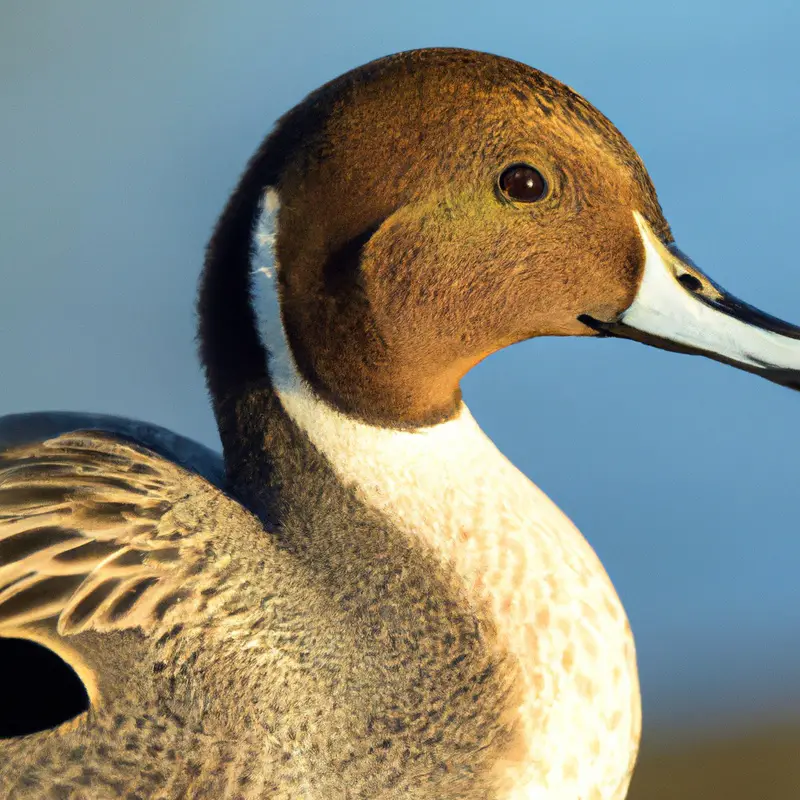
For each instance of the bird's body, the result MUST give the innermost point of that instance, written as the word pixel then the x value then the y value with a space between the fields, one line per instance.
pixel 371 601
pixel 254 650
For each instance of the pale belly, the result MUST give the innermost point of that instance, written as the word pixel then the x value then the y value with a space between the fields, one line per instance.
pixel 558 613
pixel 581 709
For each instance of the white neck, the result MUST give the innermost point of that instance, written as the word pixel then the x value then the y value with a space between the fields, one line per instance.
pixel 448 486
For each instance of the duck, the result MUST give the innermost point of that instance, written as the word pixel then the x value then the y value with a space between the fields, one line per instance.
pixel 362 597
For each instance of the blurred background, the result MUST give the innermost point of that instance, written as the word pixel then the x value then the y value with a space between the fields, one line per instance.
pixel 123 127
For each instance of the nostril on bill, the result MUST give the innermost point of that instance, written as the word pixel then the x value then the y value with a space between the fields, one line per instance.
pixel 689 282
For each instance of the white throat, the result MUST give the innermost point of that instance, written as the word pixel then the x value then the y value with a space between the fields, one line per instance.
pixel 449 487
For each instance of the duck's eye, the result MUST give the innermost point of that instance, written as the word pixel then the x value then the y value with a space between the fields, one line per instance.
pixel 523 184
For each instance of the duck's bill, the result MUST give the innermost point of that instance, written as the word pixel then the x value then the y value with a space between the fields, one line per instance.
pixel 679 308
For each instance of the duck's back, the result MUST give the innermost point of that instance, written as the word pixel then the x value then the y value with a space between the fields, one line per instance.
pixel 38 426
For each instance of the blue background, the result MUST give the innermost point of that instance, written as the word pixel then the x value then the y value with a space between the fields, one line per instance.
pixel 123 128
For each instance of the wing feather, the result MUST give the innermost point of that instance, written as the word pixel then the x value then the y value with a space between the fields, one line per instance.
pixel 101 534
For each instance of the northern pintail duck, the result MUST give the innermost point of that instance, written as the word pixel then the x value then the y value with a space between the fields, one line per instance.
pixel 367 600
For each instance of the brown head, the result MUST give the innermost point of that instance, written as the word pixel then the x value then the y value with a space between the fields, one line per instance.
pixel 438 205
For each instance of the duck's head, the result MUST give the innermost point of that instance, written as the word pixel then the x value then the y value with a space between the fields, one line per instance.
pixel 438 205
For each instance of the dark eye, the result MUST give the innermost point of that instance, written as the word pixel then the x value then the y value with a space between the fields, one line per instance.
pixel 523 184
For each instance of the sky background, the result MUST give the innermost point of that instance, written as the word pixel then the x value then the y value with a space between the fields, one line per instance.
pixel 124 127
